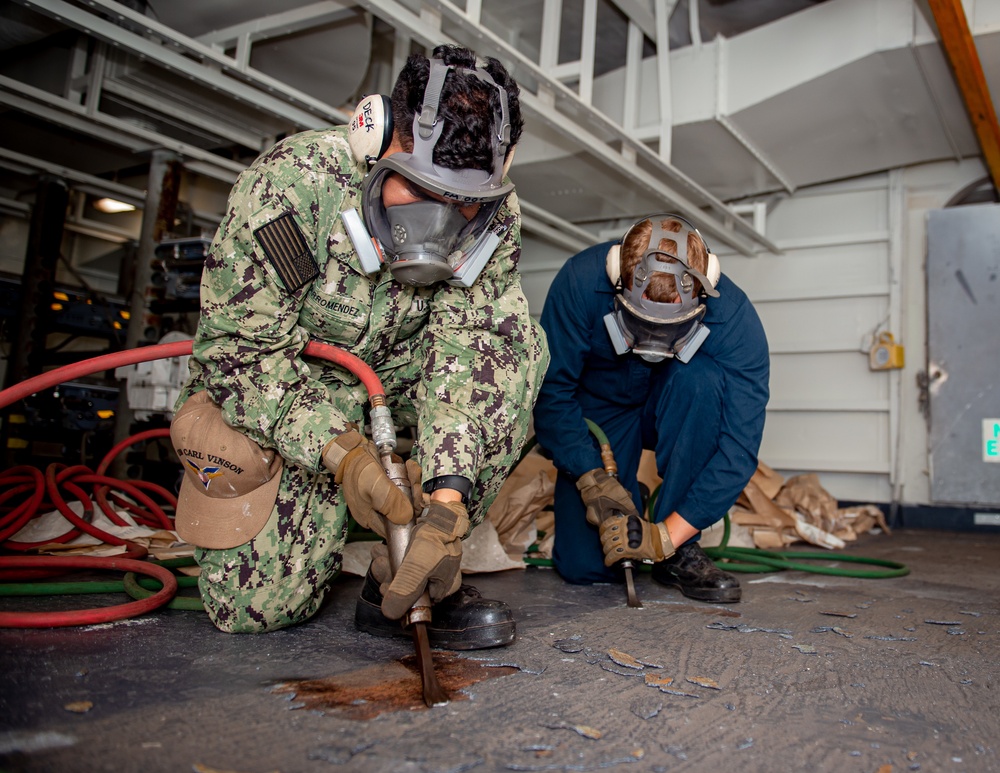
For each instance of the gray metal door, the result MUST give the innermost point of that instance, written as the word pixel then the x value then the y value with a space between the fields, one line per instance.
pixel 963 340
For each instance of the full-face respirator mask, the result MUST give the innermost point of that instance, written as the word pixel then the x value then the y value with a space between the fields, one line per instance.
pixel 657 331
pixel 431 240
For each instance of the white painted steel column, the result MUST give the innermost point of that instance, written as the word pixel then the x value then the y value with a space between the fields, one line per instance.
pixel 663 78
pixel 548 54
pixel 896 208
pixel 588 45
pixel 633 65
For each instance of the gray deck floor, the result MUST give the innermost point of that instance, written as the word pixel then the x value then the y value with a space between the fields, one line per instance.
pixel 907 679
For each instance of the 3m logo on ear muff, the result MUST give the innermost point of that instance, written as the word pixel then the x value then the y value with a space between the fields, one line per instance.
pixel 370 130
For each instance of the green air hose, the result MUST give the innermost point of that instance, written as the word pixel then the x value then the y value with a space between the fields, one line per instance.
pixel 131 584
pixel 750 560
pixel 138 590
pixel 757 560
pixel 84 587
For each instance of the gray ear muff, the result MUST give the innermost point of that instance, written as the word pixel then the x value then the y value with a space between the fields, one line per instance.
pixel 369 132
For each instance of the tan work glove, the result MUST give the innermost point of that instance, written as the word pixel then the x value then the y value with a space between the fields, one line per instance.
pixel 629 536
pixel 416 492
pixel 604 497
pixel 380 567
pixel 371 496
pixel 432 561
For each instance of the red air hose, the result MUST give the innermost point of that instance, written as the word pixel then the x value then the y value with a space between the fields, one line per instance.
pixel 52 378
pixel 89 616
pixel 46 489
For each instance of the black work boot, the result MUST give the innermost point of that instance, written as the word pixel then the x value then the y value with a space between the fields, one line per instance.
pixel 462 621
pixel 694 574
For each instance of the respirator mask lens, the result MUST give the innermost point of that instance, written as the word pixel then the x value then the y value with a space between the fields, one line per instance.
pixel 424 240
pixel 422 237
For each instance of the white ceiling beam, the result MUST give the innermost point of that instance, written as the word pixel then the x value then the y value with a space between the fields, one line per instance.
pixel 723 119
pixel 572 235
pixel 555 236
pixel 720 221
pixel 641 178
pixel 135 139
pixel 566 72
pixel 276 25
pixel 88 183
pixel 15 207
pixel 213 69
pixel 96 186
pixel 640 15
pixel 199 122
pixel 102 231
pixel 62 112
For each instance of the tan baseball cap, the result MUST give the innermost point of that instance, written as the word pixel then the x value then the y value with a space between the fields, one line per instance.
pixel 230 483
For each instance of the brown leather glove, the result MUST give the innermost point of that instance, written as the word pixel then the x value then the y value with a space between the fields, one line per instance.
pixel 433 559
pixel 604 497
pixel 371 496
pixel 629 536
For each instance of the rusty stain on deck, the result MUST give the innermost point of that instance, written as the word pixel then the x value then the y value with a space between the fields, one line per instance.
pixel 368 692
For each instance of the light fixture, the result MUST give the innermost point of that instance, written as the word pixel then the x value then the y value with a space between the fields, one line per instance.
pixel 110 206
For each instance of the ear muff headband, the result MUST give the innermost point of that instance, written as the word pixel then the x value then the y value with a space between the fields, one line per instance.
pixel 370 131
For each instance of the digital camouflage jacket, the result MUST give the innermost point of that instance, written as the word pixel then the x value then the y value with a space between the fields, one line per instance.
pixel 282 271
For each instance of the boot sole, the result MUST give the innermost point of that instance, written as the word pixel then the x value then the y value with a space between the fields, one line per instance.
pixel 368 618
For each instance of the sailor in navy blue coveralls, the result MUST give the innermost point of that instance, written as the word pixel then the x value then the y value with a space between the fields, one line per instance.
pixel 703 419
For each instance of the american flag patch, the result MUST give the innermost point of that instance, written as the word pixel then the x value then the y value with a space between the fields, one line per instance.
pixel 286 248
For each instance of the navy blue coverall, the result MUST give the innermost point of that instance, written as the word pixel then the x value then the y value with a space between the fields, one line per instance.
pixel 703 419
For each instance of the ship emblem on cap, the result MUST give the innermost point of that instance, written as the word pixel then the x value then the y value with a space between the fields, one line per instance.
pixel 205 474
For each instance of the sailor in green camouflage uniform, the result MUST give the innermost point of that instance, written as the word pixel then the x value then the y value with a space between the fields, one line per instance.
pixel 460 364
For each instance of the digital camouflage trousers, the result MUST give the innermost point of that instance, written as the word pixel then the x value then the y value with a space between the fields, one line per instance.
pixel 282 575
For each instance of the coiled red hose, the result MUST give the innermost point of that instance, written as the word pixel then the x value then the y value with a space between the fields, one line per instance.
pixel 89 616
pixel 44 491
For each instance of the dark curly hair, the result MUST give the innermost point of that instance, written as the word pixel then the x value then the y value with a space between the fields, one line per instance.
pixel 468 107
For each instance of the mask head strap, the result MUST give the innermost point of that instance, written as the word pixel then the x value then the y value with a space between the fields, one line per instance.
pixel 427 130
pixel 682 270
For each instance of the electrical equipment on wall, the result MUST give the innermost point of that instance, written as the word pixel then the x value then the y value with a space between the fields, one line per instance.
pixel 152 388
pixel 885 353
pixel 82 313
pixel 178 266
pixel 74 406
pixel 71 310
pixel 71 422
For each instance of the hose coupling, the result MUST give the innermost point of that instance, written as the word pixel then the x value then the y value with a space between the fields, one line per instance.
pixel 383 430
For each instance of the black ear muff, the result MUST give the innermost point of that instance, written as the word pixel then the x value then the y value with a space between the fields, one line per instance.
pixel 370 130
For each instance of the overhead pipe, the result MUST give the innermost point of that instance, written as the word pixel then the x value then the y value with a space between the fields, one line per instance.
pixel 959 45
